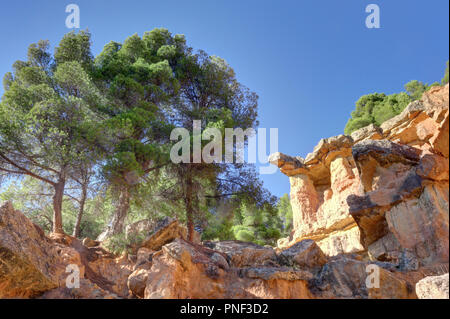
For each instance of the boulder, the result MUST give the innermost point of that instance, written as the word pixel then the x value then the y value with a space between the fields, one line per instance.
pixel 88 242
pixel 87 290
pixel 137 282
pixel 165 232
pixel 370 131
pixel 144 258
pixel 30 263
pixel 242 254
pixel 304 254
pixel 433 287
pixel 115 272
pixel 370 155
pixel 185 270
pixel 433 167
pixel 348 278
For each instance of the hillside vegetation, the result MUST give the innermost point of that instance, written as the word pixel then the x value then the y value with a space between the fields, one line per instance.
pixel 376 108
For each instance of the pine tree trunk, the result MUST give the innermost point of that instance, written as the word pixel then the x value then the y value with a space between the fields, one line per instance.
pixel 117 222
pixel 76 229
pixel 57 206
pixel 189 207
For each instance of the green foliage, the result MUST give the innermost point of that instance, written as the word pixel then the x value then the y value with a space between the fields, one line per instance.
pixel 245 221
pixel 244 233
pixel 34 199
pixel 377 108
pixel 68 115
pixel 445 78
pixel 389 107
pixel 49 121
pixel 137 81
pixel 118 243
pixel 285 214
pixel 75 47
pixel 415 89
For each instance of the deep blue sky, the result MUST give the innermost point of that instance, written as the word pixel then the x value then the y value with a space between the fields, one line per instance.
pixel 308 60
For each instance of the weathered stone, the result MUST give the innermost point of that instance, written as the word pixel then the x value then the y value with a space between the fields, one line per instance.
pixel 421 224
pixel 439 141
pixel 165 232
pixel 384 190
pixel 220 261
pixel 271 273
pixel 87 290
pixel 423 123
pixel 287 164
pixel 30 263
pixel 242 254
pixel 283 243
pixel 386 248
pixel 433 167
pixel 185 270
pixel 370 155
pixel 348 278
pixel 435 287
pixel 347 241
pixel 304 254
pixel 143 258
pixel 371 131
pixel 320 212
pixel 88 242
pixel 115 271
pixel 137 282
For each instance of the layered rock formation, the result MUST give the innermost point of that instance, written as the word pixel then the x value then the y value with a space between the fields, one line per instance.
pixel 35 266
pixel 382 190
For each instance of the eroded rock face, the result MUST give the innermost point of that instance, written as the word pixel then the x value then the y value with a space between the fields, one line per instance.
pixel 116 272
pixel 318 198
pixel 433 287
pixel 137 282
pixel 348 278
pixel 242 254
pixel 185 270
pixel 35 266
pixel 165 232
pixel 382 192
pixel 182 269
pixel 87 290
pixel 304 254
pixel 30 263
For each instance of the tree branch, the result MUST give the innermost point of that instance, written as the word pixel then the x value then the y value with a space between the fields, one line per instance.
pixel 26 171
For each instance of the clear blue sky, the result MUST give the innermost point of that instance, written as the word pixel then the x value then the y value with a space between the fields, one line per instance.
pixel 308 60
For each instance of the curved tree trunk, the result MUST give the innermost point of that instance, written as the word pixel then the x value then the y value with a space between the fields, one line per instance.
pixel 76 229
pixel 117 222
pixel 57 206
pixel 189 207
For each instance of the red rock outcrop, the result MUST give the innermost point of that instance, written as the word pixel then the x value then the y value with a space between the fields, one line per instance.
pixel 185 270
pixel 35 265
pixel 382 192
pixel 30 262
